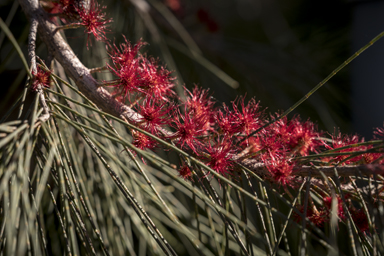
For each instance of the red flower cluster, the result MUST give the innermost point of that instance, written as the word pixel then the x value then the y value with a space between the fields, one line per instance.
pixel 138 74
pixel 219 157
pixel 320 215
pixel 213 134
pixel 279 143
pixel 350 146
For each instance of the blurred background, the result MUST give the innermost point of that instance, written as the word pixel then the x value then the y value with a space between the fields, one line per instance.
pixel 273 50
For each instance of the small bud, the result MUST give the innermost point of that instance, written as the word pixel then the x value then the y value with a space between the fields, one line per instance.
pixel 41 77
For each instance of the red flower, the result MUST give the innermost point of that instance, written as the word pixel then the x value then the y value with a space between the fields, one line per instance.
pixel 343 141
pixel 126 55
pixel 280 170
pixel 93 19
pixel 154 115
pixel 318 218
pixel 138 74
pixel 185 172
pixel 40 77
pixel 225 120
pixel 303 137
pixel 128 81
pixel 360 219
pixel 247 119
pixel 187 130
pixel 142 141
pixel 268 145
pixel 156 80
pixel 126 62
pixel 295 136
pixel 220 157
pixel 280 129
pixel 315 216
pixel 200 104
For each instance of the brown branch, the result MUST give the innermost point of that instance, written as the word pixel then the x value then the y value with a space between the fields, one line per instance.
pixel 80 74
pixel 305 171
pixel 105 101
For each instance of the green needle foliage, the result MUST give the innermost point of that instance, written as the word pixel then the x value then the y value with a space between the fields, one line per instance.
pixel 81 173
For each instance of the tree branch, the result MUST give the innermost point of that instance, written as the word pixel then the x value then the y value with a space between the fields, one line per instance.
pixel 80 74
pixel 105 101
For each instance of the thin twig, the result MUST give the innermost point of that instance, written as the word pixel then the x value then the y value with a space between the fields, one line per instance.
pixel 32 59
